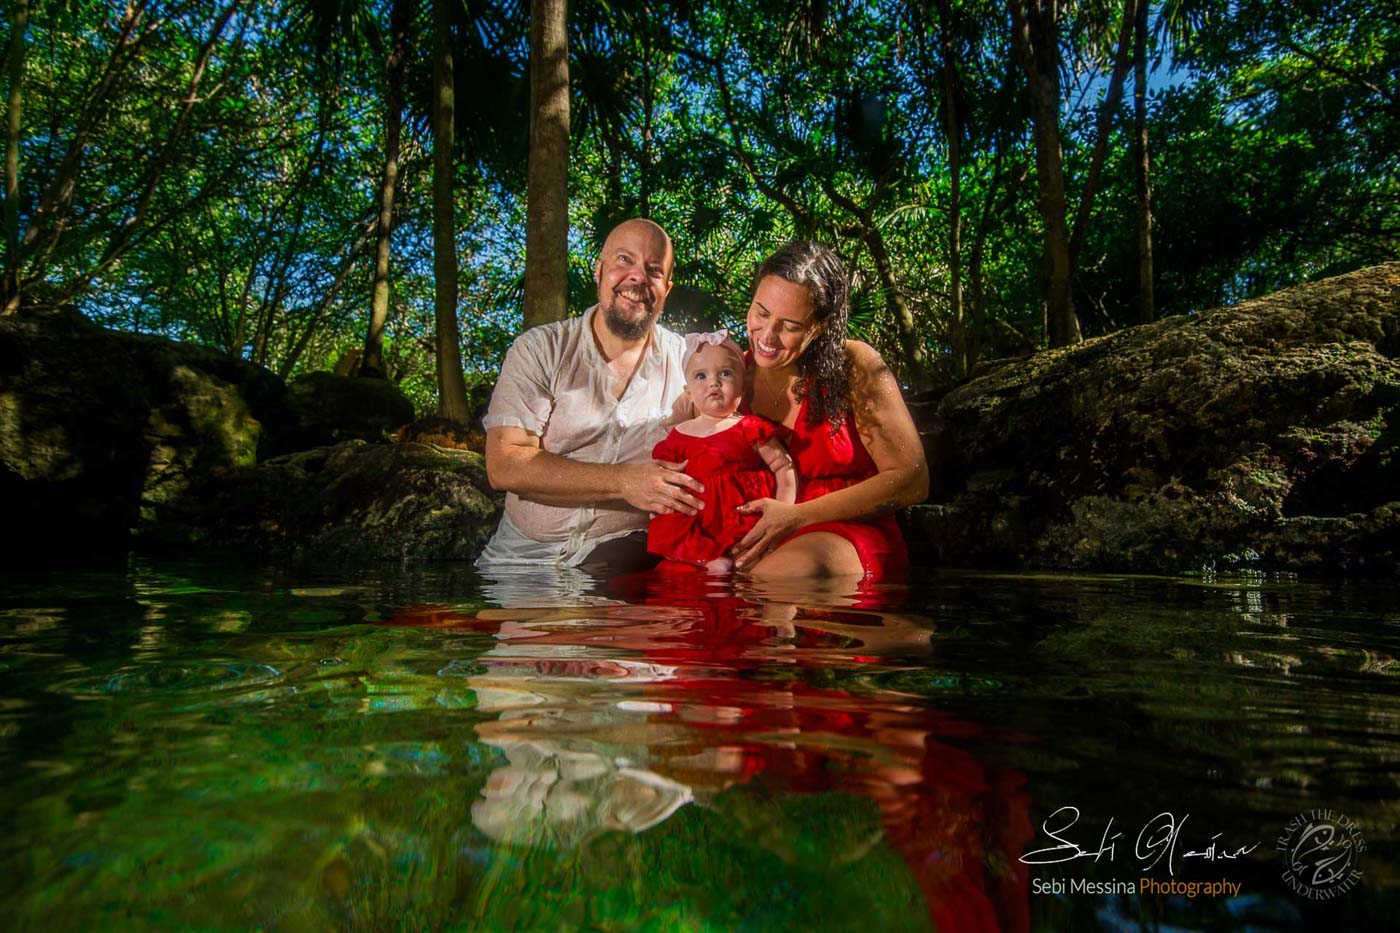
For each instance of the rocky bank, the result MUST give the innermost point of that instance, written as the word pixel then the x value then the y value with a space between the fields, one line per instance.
pixel 1262 435
pixel 110 439
pixel 1259 436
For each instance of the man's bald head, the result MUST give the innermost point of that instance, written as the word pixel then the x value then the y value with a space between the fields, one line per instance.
pixel 647 228
pixel 633 274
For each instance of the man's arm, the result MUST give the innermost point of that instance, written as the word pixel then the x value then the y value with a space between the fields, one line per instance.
pixel 516 463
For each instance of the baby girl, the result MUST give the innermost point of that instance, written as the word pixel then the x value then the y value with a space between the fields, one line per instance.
pixel 738 457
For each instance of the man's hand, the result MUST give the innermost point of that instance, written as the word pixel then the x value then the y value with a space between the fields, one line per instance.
pixel 659 487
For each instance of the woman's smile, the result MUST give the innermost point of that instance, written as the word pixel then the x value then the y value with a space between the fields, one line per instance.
pixel 780 322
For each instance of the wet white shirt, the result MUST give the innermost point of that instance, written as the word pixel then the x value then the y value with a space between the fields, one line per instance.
pixel 556 385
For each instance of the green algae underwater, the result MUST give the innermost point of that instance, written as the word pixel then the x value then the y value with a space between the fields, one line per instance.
pixel 188 744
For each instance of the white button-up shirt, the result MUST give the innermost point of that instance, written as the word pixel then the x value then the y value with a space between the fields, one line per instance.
pixel 556 385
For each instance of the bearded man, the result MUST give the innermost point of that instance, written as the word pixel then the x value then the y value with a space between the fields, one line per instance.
pixel 577 409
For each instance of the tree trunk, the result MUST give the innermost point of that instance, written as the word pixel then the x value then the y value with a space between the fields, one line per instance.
pixel 1035 34
pixel 547 205
pixel 372 364
pixel 452 387
pixel 644 155
pixel 19 23
pixel 1147 311
pixel 976 285
pixel 952 122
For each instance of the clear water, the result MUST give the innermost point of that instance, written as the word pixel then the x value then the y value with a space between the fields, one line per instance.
pixel 194 745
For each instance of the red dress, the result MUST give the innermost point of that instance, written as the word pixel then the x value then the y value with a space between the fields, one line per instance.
pixel 733 473
pixel 828 460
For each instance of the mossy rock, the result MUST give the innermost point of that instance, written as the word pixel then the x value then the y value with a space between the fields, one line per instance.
pixel 100 429
pixel 1263 433
pixel 352 501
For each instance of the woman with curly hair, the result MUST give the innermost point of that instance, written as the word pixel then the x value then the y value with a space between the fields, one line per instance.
pixel 857 451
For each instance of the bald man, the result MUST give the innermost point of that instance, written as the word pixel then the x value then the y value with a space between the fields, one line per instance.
pixel 577 409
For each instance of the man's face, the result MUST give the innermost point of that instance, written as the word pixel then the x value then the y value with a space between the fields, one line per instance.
pixel 634 277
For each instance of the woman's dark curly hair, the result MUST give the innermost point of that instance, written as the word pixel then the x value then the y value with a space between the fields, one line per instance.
pixel 824 368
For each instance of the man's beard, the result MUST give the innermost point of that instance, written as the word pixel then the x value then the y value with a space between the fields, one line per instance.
pixel 625 328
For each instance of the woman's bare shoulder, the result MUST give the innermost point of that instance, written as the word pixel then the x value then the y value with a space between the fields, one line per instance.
pixel 867 365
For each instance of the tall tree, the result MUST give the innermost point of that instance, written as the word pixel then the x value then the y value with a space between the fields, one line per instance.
pixel 1147 310
pixel 953 129
pixel 940 78
pixel 19 24
pixel 452 387
pixel 400 17
pixel 1035 32
pixel 547 213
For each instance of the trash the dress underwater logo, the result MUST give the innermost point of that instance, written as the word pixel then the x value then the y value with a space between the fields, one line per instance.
pixel 1320 851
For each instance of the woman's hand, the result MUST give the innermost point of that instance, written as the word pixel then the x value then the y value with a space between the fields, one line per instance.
pixel 777 522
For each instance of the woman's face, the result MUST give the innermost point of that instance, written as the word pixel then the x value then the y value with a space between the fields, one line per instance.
pixel 714 376
pixel 780 323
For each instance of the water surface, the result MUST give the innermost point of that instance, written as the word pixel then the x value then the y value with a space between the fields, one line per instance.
pixel 187 744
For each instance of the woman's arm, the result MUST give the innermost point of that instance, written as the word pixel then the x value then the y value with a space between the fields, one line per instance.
pixel 887 430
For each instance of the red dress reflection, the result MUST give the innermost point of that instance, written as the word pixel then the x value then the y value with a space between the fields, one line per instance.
pixel 723 718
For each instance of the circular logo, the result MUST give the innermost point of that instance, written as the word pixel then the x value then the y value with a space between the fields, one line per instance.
pixel 1321 849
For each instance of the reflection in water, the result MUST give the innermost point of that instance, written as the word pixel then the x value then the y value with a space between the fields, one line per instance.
pixel 668 690
pixel 190 746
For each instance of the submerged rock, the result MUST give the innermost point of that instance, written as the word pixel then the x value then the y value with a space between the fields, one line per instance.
pixel 1265 434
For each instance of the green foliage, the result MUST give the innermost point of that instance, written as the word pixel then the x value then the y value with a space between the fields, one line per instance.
pixel 216 179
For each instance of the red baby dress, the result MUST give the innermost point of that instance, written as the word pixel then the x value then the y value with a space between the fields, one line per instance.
pixel 729 465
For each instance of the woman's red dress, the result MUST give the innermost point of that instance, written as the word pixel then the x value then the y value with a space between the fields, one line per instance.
pixel 729 465
pixel 828 460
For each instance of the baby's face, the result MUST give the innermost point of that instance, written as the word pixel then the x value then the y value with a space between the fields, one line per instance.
pixel 714 377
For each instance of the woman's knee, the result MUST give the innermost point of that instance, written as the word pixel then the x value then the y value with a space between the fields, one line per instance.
pixel 815 555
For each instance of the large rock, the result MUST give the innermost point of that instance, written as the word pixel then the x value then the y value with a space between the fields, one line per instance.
pixel 111 437
pixel 330 408
pixel 351 501
pixel 100 430
pixel 1266 434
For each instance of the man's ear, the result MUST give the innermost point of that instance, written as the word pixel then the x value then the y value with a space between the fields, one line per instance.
pixel 598 270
